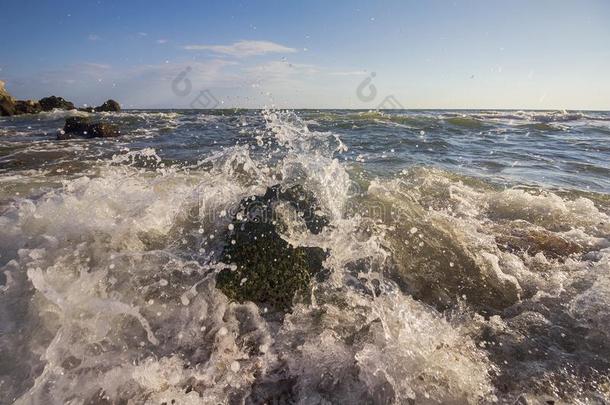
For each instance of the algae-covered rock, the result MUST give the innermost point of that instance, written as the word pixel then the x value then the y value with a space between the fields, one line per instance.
pixel 264 267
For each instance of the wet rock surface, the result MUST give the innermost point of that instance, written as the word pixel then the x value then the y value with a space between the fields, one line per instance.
pixel 78 127
pixel 265 268
pixel 27 107
pixel 108 106
pixel 54 102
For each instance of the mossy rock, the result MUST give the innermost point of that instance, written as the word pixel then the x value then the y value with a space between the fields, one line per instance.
pixel 265 268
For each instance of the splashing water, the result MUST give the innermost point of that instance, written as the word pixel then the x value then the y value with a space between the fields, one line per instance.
pixel 444 282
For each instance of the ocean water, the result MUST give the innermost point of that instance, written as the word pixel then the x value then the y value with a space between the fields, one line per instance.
pixel 468 259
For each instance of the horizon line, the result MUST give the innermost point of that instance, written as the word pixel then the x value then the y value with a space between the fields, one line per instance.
pixel 368 109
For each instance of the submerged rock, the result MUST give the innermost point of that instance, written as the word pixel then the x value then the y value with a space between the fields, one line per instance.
pixel 53 102
pixel 533 241
pixel 264 267
pixel 84 128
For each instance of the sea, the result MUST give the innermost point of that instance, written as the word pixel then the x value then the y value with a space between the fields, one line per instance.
pixel 467 258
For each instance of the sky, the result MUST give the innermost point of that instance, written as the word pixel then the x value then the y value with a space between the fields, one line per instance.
pixel 522 54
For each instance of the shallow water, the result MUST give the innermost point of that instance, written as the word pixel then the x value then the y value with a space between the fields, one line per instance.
pixel 468 258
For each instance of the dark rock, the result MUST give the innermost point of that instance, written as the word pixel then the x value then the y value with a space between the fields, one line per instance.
pixel 265 268
pixel 109 106
pixel 27 107
pixel 7 103
pixel 7 107
pixel 76 125
pixel 83 128
pixel 53 102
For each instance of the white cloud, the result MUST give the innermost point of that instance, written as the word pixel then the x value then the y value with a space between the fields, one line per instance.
pixel 162 41
pixel 93 37
pixel 281 69
pixel 93 66
pixel 349 73
pixel 243 48
pixel 235 82
pixel 147 85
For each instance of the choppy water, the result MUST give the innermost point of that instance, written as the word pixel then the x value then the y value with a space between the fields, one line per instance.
pixel 468 259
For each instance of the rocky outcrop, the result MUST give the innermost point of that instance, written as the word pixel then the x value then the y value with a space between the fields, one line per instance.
pixel 264 268
pixel 53 102
pixel 78 127
pixel 108 106
pixel 9 106
pixel 27 107
pixel 7 103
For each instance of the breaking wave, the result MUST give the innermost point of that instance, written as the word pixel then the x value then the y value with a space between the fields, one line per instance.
pixel 438 287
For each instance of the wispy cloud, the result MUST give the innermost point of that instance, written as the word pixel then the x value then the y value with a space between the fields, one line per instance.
pixel 162 41
pixel 93 37
pixel 281 69
pixel 93 66
pixel 235 82
pixel 349 73
pixel 242 49
pixel 145 85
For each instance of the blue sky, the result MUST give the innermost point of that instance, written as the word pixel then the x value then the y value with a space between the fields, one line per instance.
pixel 315 54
